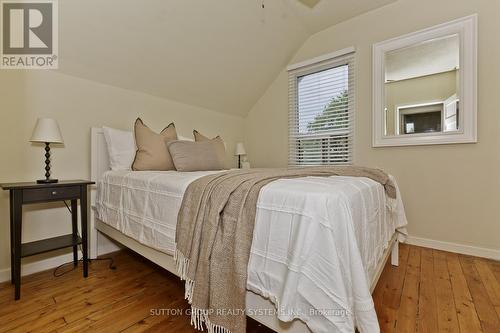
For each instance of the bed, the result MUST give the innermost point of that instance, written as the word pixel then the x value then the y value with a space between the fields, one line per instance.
pixel 138 210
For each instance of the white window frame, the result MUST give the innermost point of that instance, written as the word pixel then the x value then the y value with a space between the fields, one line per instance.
pixel 339 58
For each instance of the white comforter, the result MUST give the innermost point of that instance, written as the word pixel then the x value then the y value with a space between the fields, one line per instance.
pixel 316 245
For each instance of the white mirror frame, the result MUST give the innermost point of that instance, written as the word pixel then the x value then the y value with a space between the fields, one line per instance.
pixel 466 28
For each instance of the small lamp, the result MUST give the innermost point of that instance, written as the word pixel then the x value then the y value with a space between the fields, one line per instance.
pixel 47 131
pixel 240 150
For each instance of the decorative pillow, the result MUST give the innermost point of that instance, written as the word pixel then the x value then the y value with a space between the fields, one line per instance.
pixel 152 152
pixel 121 148
pixel 195 156
pixel 219 144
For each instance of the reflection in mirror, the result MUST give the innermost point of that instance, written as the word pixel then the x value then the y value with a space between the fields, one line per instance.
pixel 422 87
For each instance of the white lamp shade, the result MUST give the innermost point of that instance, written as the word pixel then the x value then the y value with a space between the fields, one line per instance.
pixel 240 149
pixel 46 130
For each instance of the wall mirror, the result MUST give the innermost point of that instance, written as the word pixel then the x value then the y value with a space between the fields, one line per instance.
pixel 424 86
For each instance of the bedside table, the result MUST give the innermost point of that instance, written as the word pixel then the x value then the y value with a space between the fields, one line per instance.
pixel 29 193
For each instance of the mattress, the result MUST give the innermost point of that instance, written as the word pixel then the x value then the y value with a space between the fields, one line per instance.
pixel 317 240
pixel 144 204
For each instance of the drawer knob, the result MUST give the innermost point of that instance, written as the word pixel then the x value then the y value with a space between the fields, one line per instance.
pixel 54 192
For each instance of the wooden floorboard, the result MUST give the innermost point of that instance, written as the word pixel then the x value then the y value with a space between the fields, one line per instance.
pixel 484 308
pixel 490 282
pixel 408 310
pixel 430 291
pixel 466 311
pixel 446 308
pixel 427 307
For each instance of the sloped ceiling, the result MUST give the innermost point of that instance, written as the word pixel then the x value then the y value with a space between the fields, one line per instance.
pixel 326 13
pixel 217 54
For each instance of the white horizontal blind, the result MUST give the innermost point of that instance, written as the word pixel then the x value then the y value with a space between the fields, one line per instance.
pixel 321 112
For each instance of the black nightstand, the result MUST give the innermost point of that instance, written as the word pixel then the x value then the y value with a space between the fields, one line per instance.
pixel 29 193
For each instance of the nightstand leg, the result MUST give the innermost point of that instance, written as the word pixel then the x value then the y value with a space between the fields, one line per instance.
pixel 83 213
pixel 12 233
pixel 74 223
pixel 17 222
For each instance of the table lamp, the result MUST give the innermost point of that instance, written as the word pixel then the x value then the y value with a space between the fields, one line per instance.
pixel 47 131
pixel 240 150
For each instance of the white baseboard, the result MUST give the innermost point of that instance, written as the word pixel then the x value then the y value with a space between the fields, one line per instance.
pixel 455 247
pixel 38 266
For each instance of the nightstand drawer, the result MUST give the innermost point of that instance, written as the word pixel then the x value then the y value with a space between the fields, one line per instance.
pixel 49 194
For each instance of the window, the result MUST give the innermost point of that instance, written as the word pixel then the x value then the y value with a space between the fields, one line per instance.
pixel 321 102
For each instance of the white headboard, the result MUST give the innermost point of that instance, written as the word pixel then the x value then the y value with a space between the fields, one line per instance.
pixel 99 158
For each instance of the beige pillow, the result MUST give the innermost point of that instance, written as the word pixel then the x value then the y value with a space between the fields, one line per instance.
pixel 195 156
pixel 152 152
pixel 219 144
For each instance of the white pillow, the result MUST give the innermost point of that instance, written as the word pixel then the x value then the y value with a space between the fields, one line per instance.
pixel 121 148
pixel 183 138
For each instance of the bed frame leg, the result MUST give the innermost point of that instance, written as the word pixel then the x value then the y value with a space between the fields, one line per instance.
pixel 395 254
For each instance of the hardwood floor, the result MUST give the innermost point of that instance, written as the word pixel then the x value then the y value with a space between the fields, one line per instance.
pixel 437 291
pixel 431 291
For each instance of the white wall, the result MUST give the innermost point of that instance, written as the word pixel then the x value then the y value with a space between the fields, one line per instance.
pixel 451 192
pixel 78 105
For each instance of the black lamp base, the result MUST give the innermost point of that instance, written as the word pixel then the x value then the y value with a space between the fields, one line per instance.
pixel 46 181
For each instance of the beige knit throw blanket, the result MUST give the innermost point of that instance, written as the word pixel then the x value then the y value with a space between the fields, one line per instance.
pixel 214 236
